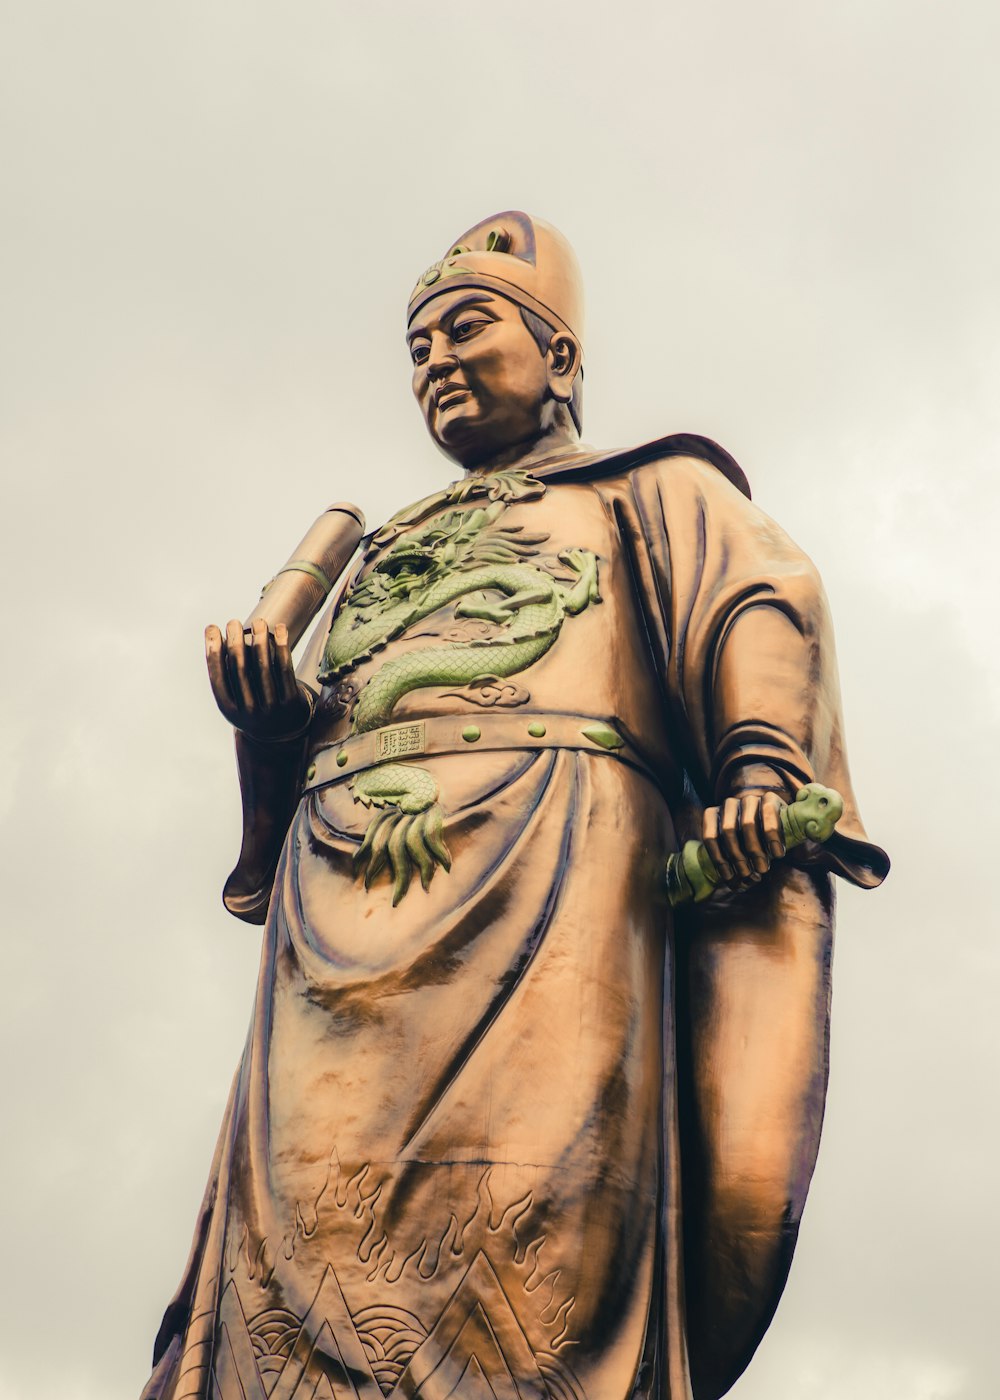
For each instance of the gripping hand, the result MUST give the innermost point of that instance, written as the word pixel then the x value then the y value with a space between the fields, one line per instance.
pixel 744 835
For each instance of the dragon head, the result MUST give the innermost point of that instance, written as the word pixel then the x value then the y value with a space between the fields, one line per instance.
pixel 421 558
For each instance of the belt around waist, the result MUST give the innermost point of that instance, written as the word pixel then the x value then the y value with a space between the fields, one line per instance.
pixel 449 734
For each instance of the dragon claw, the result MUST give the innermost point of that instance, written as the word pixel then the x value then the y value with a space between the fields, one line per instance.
pixel 406 843
pixel 406 831
pixel 476 605
pixel 586 589
pixel 416 849
pixel 374 849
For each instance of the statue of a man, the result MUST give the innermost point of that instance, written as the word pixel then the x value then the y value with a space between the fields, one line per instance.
pixel 503 1125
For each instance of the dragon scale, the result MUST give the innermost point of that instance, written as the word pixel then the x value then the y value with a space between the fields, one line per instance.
pixel 354 637
pixel 532 628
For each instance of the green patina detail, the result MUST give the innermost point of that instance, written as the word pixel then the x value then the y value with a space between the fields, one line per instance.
pixel 510 485
pixel 602 734
pixel 812 816
pixel 537 730
pixel 513 484
pixel 301 566
pixel 691 875
pixel 305 566
pixel 407 830
pixel 438 270
pixel 472 560
pixel 471 733
pixel 342 758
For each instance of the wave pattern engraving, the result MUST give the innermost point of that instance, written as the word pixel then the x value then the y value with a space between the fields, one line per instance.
pixel 389 1336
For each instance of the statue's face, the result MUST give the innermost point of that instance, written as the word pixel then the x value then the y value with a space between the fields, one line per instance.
pixel 478 375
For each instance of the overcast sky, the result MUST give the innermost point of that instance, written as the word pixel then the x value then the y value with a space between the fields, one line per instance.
pixel 787 216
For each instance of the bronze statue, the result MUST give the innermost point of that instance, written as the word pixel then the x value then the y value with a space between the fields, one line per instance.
pixel 506 1125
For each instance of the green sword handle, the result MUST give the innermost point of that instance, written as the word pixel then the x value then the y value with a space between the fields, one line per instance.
pixel 691 872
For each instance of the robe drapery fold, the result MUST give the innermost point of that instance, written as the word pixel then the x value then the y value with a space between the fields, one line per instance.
pixel 515 1134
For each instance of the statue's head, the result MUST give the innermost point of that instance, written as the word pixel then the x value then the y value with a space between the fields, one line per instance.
pixel 494 334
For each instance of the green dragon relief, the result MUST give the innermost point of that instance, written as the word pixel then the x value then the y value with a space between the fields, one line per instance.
pixel 471 559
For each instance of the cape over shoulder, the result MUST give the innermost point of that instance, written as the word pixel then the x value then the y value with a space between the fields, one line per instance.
pixel 594 466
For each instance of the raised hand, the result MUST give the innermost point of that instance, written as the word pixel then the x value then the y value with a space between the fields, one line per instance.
pixel 253 680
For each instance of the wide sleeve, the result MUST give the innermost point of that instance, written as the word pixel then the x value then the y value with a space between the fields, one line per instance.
pixel 747 653
pixel 740 637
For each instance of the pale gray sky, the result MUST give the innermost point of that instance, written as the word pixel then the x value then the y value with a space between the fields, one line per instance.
pixel 787 216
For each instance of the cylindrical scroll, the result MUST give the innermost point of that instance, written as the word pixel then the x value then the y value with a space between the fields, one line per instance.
pixel 298 590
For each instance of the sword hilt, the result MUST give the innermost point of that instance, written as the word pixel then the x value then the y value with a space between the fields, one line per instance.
pixel 812 816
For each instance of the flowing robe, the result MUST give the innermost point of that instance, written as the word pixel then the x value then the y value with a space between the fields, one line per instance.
pixel 522 1133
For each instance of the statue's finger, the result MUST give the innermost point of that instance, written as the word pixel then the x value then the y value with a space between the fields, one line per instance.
pixel 710 836
pixel 285 683
pixel 218 677
pixel 730 831
pixel 751 836
pixel 236 659
pixel 770 818
pixel 261 652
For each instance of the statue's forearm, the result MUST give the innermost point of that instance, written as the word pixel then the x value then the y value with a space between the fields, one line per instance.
pixel 256 688
pixel 270 783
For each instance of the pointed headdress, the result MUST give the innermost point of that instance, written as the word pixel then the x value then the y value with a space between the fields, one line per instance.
pixel 523 259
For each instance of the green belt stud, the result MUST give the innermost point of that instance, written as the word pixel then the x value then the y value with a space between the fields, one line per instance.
pixel 605 736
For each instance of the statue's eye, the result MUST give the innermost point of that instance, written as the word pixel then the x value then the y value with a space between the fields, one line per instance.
pixel 464 330
pixel 419 353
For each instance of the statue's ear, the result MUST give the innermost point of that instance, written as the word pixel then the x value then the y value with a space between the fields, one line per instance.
pixel 563 359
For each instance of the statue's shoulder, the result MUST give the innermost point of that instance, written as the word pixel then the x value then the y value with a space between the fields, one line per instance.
pixel 674 451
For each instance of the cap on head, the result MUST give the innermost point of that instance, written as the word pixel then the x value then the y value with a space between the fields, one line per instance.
pixel 516 256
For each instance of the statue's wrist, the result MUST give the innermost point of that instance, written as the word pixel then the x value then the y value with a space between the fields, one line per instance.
pixel 289 736
pixel 757 778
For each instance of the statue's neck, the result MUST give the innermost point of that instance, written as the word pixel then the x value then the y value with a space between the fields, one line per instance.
pixel 554 445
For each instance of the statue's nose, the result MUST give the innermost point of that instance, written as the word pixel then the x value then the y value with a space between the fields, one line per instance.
pixel 441 361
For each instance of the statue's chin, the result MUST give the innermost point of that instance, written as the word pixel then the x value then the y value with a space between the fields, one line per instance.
pixel 473 440
pixel 457 424
pixel 469 444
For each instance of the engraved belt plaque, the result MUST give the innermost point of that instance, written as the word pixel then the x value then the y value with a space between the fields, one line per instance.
pixel 399 740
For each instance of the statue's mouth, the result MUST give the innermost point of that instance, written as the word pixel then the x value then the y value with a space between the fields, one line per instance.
pixel 449 394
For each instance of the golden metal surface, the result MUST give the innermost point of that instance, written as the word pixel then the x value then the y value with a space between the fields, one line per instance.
pixel 505 1125
pixel 300 587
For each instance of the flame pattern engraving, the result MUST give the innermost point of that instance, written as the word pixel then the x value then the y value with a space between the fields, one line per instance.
pixel 461 1257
